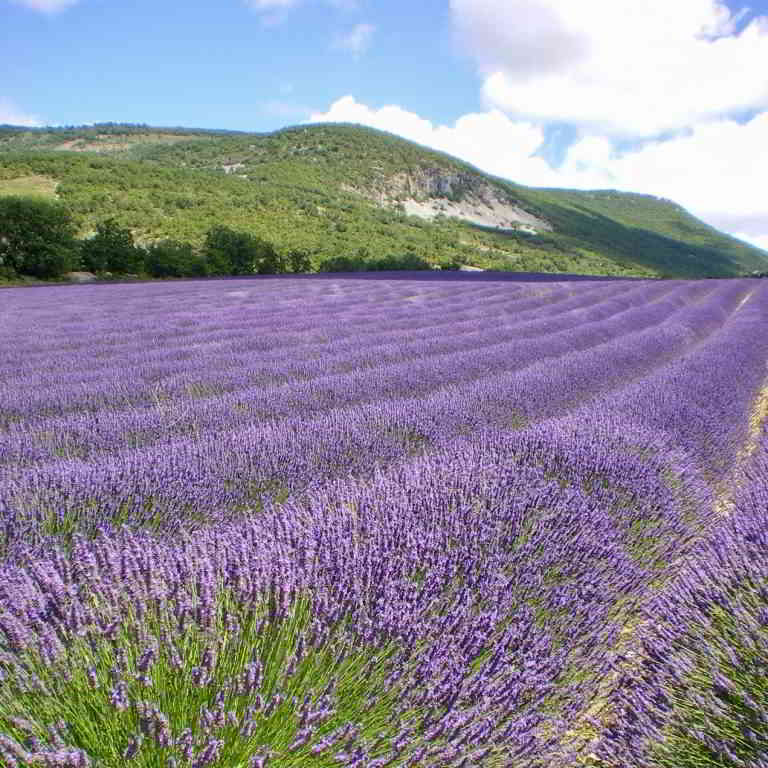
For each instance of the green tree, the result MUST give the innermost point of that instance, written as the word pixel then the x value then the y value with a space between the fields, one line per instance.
pixel 112 249
pixel 172 258
pixel 228 251
pixel 299 261
pixel 37 237
pixel 406 261
pixel 342 264
pixel 269 261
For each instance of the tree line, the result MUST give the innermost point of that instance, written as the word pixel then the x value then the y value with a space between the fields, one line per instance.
pixel 38 239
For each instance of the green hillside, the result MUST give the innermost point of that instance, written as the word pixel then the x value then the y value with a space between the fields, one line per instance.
pixel 341 190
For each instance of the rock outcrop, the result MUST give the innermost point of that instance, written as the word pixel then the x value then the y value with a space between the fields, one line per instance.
pixel 432 192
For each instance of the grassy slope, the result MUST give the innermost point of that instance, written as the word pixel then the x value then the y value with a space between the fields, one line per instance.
pixel 297 188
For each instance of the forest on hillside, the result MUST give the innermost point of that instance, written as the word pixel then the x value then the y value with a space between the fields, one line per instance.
pixel 331 193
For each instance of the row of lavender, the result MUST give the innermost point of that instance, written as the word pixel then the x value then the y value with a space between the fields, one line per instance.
pixel 252 348
pixel 483 580
pixel 458 607
pixel 219 469
pixel 453 610
pixel 235 320
pixel 696 693
pixel 371 378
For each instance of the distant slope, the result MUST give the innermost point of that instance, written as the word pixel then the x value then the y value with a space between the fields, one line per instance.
pixel 348 190
pixel 662 233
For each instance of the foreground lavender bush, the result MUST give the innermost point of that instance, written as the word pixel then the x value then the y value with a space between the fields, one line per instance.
pixel 456 626
pixel 401 523
pixel 700 692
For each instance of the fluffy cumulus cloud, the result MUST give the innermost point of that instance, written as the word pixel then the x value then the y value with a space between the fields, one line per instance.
pixel 717 170
pixel 47 6
pixel 622 67
pixel 358 39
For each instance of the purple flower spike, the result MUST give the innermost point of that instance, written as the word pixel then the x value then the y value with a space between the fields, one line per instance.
pixel 134 745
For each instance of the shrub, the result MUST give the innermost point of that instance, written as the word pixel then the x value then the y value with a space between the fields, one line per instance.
pixel 342 264
pixel 172 258
pixel 229 252
pixel 299 261
pixel 363 263
pixel 112 249
pixel 37 237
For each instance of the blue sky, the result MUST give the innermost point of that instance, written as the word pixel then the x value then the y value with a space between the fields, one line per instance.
pixel 654 96
pixel 226 64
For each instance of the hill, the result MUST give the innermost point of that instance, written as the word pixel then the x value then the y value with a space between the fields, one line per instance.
pixel 341 190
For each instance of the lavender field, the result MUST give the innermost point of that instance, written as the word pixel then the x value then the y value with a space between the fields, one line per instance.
pixel 434 521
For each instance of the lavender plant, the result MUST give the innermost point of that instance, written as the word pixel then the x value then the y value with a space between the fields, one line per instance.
pixel 382 523
pixel 699 694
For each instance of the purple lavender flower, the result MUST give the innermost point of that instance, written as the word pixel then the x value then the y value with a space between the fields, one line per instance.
pixel 210 753
pixel 134 745
pixel 118 696
pixel 572 442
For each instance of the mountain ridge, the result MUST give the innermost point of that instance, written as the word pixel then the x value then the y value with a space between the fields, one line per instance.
pixel 347 190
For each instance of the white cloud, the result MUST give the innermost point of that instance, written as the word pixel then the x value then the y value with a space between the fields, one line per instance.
pixel 717 171
pixel 358 39
pixel 47 6
pixel 11 115
pixel 621 67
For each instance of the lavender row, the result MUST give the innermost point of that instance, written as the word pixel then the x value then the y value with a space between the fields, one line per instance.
pixel 104 319
pixel 164 341
pixel 199 479
pixel 337 441
pixel 701 697
pixel 171 359
pixel 483 586
pixel 458 608
pixel 362 353
pixel 92 433
pixel 703 401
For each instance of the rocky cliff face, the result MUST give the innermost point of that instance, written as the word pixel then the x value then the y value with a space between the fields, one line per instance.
pixel 432 192
pixel 433 182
